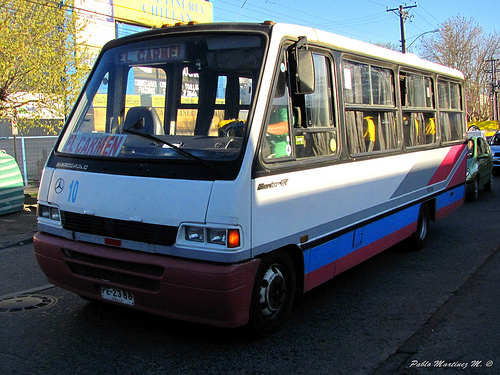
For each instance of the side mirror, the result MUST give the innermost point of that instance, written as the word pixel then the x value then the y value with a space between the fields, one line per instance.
pixel 302 68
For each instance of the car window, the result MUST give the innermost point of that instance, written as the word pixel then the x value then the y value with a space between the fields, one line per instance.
pixel 484 146
pixel 480 147
pixel 495 140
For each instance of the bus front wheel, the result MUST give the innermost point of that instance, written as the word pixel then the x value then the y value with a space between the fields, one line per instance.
pixel 273 294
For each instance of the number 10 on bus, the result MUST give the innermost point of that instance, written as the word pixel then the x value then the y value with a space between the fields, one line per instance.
pixel 73 191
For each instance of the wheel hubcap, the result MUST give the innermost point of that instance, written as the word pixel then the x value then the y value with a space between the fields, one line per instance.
pixel 272 292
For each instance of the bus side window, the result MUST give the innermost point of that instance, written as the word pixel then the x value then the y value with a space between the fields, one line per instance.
pixel 317 135
pixel 450 107
pixel 314 130
pixel 277 138
pixel 370 108
pixel 419 126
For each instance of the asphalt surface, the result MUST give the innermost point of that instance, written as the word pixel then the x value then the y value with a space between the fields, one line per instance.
pixel 450 332
pixel 19 227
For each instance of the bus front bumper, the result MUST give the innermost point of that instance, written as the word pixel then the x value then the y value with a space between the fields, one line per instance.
pixel 184 289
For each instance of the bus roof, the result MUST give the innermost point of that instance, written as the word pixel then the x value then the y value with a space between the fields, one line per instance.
pixel 282 30
pixel 354 46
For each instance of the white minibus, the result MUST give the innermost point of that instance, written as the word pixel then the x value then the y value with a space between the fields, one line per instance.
pixel 214 173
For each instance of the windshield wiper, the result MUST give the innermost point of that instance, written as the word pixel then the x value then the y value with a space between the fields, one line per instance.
pixel 174 147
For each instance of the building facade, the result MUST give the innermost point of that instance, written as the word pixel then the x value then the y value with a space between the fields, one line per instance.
pixel 110 19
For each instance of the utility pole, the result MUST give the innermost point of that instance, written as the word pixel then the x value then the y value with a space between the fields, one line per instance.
pixel 403 16
pixel 494 85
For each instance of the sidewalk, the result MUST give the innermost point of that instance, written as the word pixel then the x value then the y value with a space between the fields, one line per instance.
pixel 19 226
pixel 461 335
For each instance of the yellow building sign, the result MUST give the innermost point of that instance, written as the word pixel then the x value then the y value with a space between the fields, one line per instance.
pixel 160 12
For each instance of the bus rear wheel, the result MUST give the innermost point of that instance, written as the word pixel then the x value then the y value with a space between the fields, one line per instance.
pixel 273 294
pixel 419 238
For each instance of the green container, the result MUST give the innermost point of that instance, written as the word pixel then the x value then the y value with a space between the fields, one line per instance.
pixel 11 185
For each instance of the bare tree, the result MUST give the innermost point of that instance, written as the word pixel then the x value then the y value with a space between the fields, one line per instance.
pixel 389 45
pixel 462 44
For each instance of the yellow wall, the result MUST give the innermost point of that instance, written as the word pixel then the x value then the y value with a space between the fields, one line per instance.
pixel 157 13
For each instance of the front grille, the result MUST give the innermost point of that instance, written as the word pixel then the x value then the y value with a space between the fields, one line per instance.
pixel 122 229
pixel 128 274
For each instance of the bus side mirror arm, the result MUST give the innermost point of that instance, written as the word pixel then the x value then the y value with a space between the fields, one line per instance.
pixel 302 67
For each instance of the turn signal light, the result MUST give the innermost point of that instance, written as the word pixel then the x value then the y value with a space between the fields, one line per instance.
pixel 233 238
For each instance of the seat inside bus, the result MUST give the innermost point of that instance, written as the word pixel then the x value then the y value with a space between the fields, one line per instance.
pixel 144 120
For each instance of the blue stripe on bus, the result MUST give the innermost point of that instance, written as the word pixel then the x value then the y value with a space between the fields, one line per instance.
pixel 368 240
pixel 348 242
pixel 449 198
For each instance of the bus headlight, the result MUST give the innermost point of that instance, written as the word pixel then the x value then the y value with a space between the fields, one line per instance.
pixel 195 234
pixel 216 236
pixel 49 212
pixel 228 237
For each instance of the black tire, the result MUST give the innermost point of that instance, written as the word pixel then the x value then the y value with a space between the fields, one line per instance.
pixel 273 294
pixel 489 185
pixel 418 239
pixel 472 196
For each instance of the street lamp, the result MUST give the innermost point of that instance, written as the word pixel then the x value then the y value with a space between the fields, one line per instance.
pixel 427 32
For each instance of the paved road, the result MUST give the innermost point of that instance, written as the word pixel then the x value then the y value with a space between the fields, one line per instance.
pixel 433 311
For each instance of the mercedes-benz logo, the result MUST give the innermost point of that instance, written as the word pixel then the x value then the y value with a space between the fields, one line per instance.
pixel 59 186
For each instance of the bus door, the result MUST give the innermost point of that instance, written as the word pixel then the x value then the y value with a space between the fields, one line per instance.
pixel 292 201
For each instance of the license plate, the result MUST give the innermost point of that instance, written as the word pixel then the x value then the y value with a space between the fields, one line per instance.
pixel 117 295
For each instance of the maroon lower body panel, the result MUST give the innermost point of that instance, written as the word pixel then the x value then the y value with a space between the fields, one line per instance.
pixel 191 290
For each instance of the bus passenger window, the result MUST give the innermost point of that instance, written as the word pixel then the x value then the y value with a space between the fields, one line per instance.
pixel 419 124
pixel 370 118
pixel 419 128
pixel 370 131
pixel 450 107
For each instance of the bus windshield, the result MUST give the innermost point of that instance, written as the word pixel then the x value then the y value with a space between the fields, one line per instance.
pixel 168 98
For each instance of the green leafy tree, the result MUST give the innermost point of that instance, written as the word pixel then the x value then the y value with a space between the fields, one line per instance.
pixel 462 44
pixel 41 64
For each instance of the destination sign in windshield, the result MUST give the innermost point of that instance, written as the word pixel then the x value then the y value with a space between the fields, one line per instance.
pixel 96 144
pixel 151 55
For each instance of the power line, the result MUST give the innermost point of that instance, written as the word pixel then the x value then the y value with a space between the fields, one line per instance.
pixel 62 5
pixel 374 2
pixel 430 14
pixel 252 12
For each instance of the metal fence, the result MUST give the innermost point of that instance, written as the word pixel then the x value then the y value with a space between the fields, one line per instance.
pixel 31 153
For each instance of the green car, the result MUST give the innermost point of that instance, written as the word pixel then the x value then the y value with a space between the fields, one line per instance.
pixel 479 167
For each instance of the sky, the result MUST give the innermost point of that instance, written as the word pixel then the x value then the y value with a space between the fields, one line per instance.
pixel 366 20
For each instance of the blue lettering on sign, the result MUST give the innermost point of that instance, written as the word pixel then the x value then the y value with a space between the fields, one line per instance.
pixel 73 191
